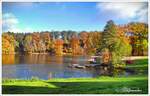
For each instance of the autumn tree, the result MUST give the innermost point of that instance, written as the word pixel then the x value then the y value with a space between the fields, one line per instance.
pixel 93 42
pixel 58 47
pixel 19 41
pixel 46 38
pixel 28 44
pixel 38 44
pixel 138 33
pixel 8 44
pixel 114 43
pixel 84 41
pixel 75 45
pixel 66 45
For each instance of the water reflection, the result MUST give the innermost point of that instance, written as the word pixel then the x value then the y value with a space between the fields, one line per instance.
pixel 32 59
pixel 45 66
pixel 8 59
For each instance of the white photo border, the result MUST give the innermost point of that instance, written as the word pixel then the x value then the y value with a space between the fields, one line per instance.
pixel 74 1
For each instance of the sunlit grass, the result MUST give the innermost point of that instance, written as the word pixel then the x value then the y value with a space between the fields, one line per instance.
pixel 29 83
pixel 76 85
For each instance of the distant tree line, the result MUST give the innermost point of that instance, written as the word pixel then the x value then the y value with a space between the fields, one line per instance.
pixel 133 34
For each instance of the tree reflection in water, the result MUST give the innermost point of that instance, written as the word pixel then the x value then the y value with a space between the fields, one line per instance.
pixel 8 59
pixel 45 66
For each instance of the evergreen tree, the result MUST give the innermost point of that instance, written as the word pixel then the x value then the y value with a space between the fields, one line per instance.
pixel 114 43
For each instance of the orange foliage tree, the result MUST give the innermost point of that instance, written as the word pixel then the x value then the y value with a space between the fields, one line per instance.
pixel 93 42
pixel 8 44
pixel 75 45
pixel 58 46
pixel 46 40
pixel 138 37
pixel 38 44
pixel 90 41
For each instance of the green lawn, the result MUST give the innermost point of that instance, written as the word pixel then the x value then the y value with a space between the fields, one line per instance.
pixel 137 84
pixel 141 66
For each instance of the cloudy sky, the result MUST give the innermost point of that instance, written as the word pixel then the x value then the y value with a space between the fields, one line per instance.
pixel 30 17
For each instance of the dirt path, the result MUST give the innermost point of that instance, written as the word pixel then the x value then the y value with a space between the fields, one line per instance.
pixel 135 57
pixel 128 58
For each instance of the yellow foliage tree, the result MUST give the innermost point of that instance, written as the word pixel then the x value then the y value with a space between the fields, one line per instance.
pixel 8 44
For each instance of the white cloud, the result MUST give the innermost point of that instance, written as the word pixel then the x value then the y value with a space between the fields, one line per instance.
pixel 143 15
pixel 125 10
pixel 10 23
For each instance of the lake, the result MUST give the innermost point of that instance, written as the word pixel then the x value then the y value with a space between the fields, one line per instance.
pixel 44 66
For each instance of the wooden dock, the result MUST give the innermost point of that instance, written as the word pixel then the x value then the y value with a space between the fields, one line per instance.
pixel 83 66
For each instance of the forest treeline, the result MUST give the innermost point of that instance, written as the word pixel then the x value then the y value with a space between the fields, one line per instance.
pixel 72 42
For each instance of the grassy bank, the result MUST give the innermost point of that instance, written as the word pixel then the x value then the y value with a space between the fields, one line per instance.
pixel 140 66
pixel 137 84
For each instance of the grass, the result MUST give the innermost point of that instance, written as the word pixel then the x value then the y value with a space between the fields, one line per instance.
pixel 103 85
pixel 135 84
pixel 141 66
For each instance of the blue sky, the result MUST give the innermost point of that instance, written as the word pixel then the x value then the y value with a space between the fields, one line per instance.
pixel 76 16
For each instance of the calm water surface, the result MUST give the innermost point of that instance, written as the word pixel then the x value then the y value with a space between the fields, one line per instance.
pixel 43 66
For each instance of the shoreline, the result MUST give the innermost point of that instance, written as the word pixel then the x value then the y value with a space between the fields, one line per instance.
pixel 71 54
